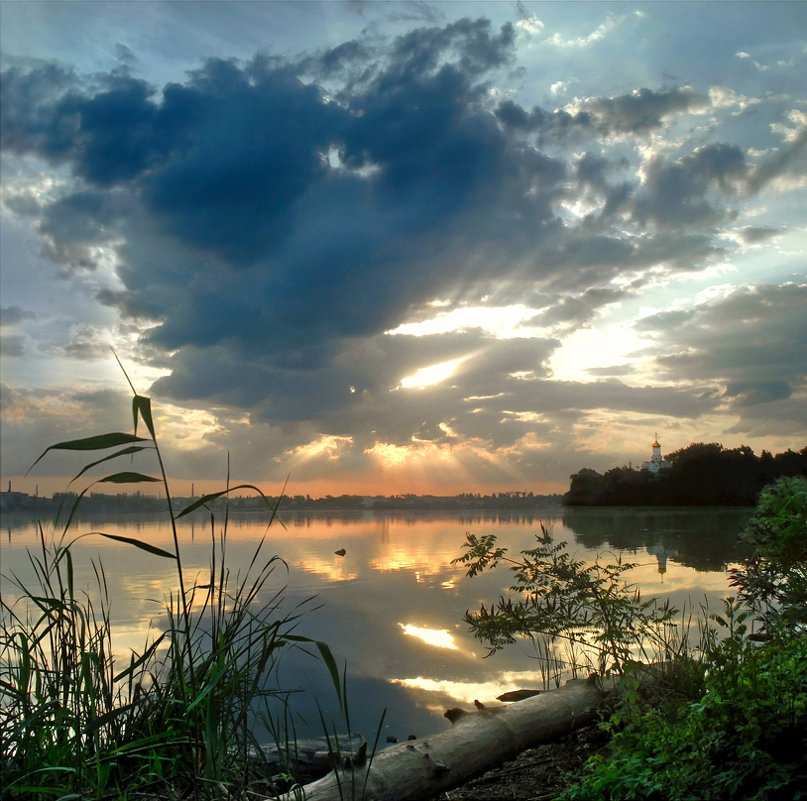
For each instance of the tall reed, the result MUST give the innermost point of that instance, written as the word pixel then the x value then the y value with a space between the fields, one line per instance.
pixel 178 717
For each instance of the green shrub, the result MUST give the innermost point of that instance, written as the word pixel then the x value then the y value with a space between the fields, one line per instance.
pixel 773 580
pixel 743 737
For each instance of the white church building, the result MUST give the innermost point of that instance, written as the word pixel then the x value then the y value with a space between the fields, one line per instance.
pixel 656 463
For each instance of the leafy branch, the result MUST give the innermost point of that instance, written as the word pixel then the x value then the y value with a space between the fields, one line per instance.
pixel 558 596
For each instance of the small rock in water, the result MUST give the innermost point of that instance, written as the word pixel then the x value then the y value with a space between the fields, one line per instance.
pixel 340 552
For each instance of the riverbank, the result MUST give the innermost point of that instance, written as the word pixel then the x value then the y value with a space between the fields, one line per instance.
pixel 537 774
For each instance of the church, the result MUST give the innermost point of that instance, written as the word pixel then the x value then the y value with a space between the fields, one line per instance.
pixel 656 463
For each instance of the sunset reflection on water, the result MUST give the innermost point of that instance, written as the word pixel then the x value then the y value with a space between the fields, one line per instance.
pixel 392 606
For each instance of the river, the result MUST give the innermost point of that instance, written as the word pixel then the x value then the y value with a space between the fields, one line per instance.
pixel 392 606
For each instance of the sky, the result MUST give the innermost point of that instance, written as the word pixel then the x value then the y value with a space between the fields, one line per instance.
pixel 393 247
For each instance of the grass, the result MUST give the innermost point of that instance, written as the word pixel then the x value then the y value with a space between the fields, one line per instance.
pixel 174 719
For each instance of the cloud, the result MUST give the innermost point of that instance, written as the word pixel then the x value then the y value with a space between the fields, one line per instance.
pixel 12 345
pixel 750 394
pixel 34 419
pixel 614 371
pixel 577 311
pixel 754 234
pixel 598 34
pixel 11 315
pixel 688 191
pixel 754 340
pixel 787 158
pixel 28 115
pixel 643 109
pixel 261 224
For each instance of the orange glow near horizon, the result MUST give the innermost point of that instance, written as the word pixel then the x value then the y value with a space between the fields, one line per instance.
pixel 387 482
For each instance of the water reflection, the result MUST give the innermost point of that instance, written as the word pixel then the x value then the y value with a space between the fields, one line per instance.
pixel 392 607
pixel 439 638
pixel 704 539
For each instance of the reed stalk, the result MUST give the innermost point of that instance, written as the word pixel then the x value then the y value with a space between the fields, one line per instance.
pixel 177 718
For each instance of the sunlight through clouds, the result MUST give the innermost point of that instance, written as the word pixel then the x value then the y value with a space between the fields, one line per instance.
pixel 328 447
pixel 433 374
pixel 501 321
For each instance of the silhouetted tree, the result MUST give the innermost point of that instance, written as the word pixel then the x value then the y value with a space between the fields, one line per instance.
pixel 702 474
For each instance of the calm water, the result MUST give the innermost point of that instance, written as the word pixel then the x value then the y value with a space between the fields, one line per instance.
pixel 392 606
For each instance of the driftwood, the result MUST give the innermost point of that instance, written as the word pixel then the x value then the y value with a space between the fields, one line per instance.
pixel 312 758
pixel 478 741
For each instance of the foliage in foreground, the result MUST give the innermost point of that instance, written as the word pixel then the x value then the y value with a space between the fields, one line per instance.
pixel 174 720
pixel 590 606
pixel 743 736
pixel 773 580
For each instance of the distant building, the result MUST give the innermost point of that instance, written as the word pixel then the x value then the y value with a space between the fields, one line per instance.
pixel 656 463
pixel 15 501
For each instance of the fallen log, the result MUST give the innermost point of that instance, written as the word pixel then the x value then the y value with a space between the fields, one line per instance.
pixel 477 742
pixel 312 758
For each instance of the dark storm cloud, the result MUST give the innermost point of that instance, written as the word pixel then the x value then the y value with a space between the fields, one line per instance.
pixel 244 146
pixel 242 214
pixel 247 231
pixel 28 112
pixel 108 132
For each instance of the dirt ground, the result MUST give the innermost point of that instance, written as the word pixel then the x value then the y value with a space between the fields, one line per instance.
pixel 538 774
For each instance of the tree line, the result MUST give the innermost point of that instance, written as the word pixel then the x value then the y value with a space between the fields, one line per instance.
pixel 702 474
